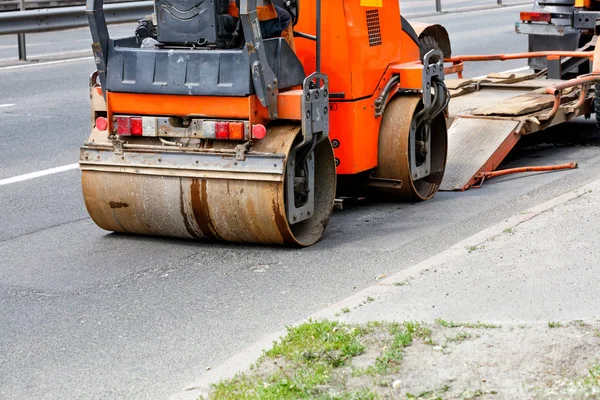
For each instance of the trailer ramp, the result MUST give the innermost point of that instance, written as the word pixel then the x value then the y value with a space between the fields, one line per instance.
pixel 488 117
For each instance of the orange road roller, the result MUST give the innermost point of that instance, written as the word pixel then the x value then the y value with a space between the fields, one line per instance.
pixel 242 120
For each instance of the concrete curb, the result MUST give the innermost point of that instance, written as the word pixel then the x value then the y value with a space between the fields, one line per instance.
pixel 243 360
pixel 465 10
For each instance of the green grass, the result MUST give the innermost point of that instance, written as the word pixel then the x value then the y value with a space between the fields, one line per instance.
pixel 328 341
pixel 468 395
pixel 509 230
pixel 405 282
pixel 390 359
pixel 306 358
pixel 419 330
pixel 477 325
pixel 459 337
pixel 554 324
pixel 474 248
pixel 315 361
pixel 587 387
pixel 345 310
pixel 435 394
pixel 447 324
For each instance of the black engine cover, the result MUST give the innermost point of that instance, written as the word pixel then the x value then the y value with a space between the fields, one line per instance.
pixel 189 22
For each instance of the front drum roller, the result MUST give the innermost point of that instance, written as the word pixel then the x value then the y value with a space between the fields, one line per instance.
pixel 394 157
pixel 204 207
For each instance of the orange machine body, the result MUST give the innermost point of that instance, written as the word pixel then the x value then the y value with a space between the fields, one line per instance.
pixel 363 44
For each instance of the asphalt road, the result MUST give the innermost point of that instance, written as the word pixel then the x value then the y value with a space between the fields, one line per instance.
pixel 88 314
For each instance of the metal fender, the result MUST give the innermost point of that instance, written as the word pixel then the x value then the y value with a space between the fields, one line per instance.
pixel 436 31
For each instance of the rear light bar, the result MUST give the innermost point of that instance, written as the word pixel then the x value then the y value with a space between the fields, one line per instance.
pixel 196 128
pixel 529 16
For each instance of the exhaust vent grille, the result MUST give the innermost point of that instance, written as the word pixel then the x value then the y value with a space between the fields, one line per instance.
pixel 374 28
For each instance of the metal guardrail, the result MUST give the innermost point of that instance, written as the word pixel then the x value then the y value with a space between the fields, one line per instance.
pixel 14 5
pixel 54 19
pixel 59 18
pixel 438 5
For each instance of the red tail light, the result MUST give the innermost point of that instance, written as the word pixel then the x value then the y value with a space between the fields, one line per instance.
pixel 222 130
pixel 535 16
pixel 124 126
pixel 259 131
pixel 137 128
pixel 101 124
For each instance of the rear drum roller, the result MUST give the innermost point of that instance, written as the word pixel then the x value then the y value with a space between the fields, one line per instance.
pixel 209 205
pixel 394 160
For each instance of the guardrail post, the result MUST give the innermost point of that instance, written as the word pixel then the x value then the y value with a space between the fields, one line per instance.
pixel 438 5
pixel 21 38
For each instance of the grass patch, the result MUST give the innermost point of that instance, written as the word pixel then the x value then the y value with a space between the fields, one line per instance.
pixel 509 230
pixel 477 325
pixel 459 337
pixel 405 282
pixel 447 324
pixel 302 364
pixel 419 330
pixel 554 324
pixel 345 310
pixel 328 342
pixel 388 362
pixel 474 248
pixel 368 300
pixel 436 394
pixel 587 387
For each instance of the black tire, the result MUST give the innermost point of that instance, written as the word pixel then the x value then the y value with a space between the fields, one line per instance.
pixel 426 44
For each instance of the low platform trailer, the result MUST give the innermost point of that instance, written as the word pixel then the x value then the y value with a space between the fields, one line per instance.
pixel 488 116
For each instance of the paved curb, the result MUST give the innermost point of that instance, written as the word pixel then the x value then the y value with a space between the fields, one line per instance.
pixel 243 360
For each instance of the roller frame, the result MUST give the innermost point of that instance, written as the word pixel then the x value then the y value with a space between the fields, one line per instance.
pixel 315 128
pixel 202 163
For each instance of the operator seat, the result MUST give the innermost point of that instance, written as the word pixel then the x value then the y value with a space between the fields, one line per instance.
pixel 199 51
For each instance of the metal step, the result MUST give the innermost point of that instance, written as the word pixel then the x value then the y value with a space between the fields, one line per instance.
pixel 476 145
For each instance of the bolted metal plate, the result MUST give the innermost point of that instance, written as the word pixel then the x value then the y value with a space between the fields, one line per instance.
pixel 472 143
pixel 256 166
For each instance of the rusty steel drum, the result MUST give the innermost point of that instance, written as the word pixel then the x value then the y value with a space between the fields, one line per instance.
pixel 394 162
pixel 221 203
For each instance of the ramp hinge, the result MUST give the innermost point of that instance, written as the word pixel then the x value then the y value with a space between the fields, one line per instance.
pixel 241 150
pixel 118 146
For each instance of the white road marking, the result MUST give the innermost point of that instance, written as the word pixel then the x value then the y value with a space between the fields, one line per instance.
pixel 46 63
pixel 38 174
pixel 6 105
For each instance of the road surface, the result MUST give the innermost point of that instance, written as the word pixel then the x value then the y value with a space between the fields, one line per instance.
pixel 89 314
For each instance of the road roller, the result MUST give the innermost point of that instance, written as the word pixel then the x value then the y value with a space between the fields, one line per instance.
pixel 242 120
